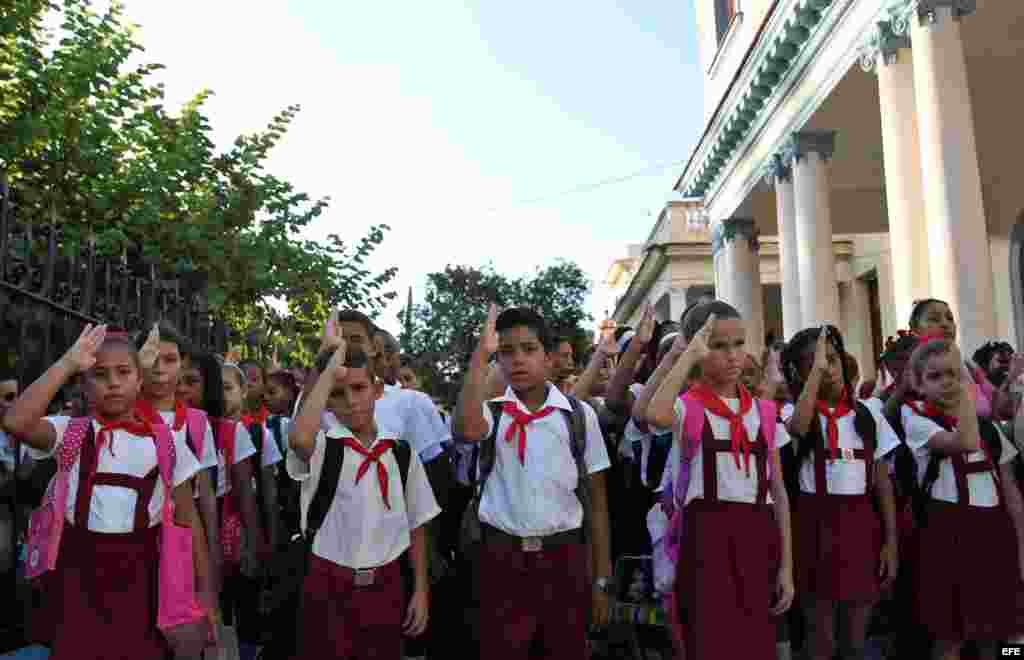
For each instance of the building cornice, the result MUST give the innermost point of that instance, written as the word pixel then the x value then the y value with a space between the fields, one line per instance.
pixel 781 48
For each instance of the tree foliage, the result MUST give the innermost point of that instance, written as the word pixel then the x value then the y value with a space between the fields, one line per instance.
pixel 86 139
pixel 445 327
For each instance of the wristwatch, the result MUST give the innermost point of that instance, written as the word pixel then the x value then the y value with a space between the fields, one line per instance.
pixel 603 584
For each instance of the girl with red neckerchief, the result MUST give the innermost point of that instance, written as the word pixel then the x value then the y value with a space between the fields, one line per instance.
pixel 845 548
pixel 106 570
pixel 735 570
pixel 968 571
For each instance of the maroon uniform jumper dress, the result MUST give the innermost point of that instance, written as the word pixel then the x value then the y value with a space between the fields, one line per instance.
pixel 966 576
pixel 728 565
pixel 108 604
pixel 837 539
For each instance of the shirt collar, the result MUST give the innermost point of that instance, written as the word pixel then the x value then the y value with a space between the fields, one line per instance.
pixel 555 398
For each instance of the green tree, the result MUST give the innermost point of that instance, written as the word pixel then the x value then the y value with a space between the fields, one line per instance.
pixel 446 325
pixel 86 141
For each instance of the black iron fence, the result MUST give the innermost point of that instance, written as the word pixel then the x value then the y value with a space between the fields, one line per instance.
pixel 49 290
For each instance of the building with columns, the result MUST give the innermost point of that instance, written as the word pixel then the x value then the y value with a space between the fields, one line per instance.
pixel 857 155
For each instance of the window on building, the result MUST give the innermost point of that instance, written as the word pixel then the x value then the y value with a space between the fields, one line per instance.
pixel 724 12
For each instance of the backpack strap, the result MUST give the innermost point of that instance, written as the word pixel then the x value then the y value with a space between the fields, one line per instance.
pixel 867 429
pixel 274 424
pixel 577 423
pixel 330 474
pixel 488 447
pixel 196 423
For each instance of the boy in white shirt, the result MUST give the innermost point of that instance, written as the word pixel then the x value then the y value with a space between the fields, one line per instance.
pixel 353 601
pixel 536 532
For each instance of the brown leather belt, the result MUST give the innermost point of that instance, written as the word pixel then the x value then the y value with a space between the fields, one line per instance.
pixel 530 543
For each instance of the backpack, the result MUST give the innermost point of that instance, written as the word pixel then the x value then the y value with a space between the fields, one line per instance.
pixel 470 532
pixel 673 498
pixel 196 423
pixel 288 490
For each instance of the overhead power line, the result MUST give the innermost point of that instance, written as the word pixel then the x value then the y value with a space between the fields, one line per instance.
pixel 590 187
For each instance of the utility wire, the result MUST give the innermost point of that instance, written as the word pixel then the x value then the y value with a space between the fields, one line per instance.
pixel 590 187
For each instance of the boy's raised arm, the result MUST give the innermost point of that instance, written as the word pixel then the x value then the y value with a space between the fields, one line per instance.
pixel 303 431
pixel 469 422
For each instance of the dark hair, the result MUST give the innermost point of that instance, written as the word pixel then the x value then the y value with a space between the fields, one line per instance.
pixel 245 364
pixel 287 381
pixel 7 374
pixel 121 340
pixel 651 355
pixel 918 309
pixel 353 316
pixel 695 317
pixel 354 359
pixel 168 333
pixel 983 355
pixel 789 361
pixel 210 371
pixel 524 317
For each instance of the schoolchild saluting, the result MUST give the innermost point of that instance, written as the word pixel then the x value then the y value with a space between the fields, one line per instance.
pixel 845 548
pixel 734 572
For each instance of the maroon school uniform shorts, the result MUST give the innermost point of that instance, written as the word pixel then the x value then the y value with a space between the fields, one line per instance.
pixel 341 619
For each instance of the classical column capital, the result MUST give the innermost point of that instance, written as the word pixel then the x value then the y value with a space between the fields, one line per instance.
pixel 884 42
pixel 802 143
pixel 778 170
pixel 927 10
pixel 730 229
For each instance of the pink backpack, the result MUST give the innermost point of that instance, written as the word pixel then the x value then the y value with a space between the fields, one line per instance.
pixel 673 497
pixel 180 617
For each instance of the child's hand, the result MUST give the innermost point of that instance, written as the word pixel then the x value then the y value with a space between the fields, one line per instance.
pixel 417 615
pixel 336 366
pixel 820 365
pixel 784 592
pixel 331 336
pixel 82 355
pixel 488 345
pixel 775 368
pixel 698 347
pixel 645 331
pixel 608 346
pixel 151 349
pixel 889 565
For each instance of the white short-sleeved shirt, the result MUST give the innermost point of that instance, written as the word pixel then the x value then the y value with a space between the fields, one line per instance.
pixel 539 498
pixel 243 450
pixel 733 483
pixel 359 531
pixel 845 477
pixel 981 485
pixel 415 417
pixel 112 509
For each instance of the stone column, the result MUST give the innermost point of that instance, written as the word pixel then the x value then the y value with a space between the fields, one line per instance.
pixel 856 325
pixel 890 58
pixel 781 175
pixel 960 260
pixel 809 152
pixel 738 264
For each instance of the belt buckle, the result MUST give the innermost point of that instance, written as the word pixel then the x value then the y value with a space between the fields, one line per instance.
pixel 364 577
pixel 532 544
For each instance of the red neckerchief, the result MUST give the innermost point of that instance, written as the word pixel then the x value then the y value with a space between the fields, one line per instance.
pixel 259 417
pixel 372 456
pixel 842 409
pixel 520 420
pixel 737 429
pixel 928 409
pixel 138 425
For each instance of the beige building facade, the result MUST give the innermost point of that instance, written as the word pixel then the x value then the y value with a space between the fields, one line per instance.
pixel 857 155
